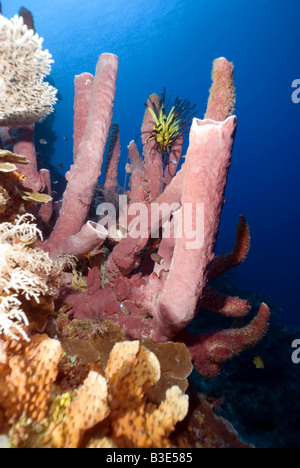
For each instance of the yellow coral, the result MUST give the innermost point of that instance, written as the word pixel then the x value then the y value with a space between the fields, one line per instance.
pixel 103 442
pixel 89 408
pixel 161 422
pixel 59 407
pixel 120 399
pixel 29 375
pixel 8 161
pixel 117 400
pixel 131 371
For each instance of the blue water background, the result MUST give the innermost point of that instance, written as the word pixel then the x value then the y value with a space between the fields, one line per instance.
pixel 173 43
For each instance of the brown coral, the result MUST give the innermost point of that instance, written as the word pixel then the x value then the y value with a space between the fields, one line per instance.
pixel 15 198
pixel 175 365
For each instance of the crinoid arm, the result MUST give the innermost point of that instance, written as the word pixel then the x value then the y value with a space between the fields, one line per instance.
pixel 169 122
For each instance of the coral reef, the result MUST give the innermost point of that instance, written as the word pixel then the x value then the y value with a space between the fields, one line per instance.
pixel 155 298
pixel 30 376
pixel 102 371
pixel 20 136
pixel 56 393
pixel 160 297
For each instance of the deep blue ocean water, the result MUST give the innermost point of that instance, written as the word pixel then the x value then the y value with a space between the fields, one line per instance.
pixel 173 43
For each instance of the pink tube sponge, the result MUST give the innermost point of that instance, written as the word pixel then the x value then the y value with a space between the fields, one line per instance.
pixel 152 156
pixel 211 351
pixel 90 237
pixel 85 172
pixel 25 145
pixel 83 85
pixel 222 92
pixel 207 163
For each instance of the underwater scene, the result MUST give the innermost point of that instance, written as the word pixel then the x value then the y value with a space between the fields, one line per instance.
pixel 149 211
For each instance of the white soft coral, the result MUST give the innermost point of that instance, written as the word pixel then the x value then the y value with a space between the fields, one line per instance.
pixel 24 271
pixel 12 318
pixel 25 98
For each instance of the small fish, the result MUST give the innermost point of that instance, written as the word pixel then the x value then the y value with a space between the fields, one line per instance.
pixel 43 142
pixel 124 309
pixel 128 169
pixel 61 166
pixel 173 160
pixel 258 362
pixel 55 182
pixel 65 138
pixel 156 258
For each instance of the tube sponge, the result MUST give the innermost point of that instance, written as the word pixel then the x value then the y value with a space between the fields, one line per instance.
pixel 222 92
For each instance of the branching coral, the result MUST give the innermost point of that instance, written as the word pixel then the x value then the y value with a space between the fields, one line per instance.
pixel 25 271
pixel 24 96
pixel 12 318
